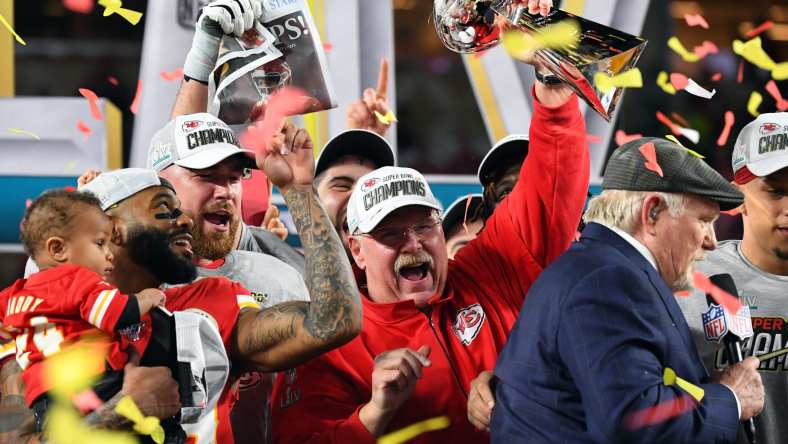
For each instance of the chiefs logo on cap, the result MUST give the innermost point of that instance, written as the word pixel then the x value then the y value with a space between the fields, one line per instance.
pixel 468 323
pixel 191 124
pixel 768 128
pixel 369 183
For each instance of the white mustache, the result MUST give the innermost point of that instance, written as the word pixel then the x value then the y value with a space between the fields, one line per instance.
pixel 407 260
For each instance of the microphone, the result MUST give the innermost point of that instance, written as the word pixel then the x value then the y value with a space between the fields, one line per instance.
pixel 731 328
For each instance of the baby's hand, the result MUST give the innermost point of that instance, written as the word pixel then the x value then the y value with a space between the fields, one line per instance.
pixel 149 298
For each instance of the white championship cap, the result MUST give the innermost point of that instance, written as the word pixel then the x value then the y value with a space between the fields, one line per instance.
pixel 195 141
pixel 761 148
pixel 378 193
pixel 114 186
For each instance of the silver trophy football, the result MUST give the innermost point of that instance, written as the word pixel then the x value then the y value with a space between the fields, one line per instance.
pixel 469 26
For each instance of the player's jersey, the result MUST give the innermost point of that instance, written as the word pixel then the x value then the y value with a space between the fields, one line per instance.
pixel 219 300
pixel 54 308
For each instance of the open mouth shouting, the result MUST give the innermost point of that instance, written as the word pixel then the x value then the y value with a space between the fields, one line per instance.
pixel 218 220
pixel 414 269
pixel 183 243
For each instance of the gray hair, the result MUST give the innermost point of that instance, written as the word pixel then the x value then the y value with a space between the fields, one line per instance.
pixel 621 208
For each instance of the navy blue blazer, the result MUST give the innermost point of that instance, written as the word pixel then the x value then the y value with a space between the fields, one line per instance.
pixel 589 348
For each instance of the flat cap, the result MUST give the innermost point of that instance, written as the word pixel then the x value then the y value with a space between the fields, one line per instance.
pixel 632 167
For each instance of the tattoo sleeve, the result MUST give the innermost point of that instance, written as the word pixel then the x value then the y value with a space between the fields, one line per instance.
pixel 105 417
pixel 332 317
pixel 17 423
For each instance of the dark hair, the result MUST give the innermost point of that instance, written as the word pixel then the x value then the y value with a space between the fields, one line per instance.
pixel 52 214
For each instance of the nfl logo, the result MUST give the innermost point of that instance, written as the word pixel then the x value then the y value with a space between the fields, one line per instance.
pixel 714 325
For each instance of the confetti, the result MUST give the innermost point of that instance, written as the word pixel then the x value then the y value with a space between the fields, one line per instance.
pixel 675 44
pixel 696 20
pixel 64 426
pixel 560 35
pixel 172 76
pixel 679 81
pixel 734 212
pixel 92 99
pixel 24 133
pixel 386 119
pixel 754 102
pixel 84 129
pixel 115 7
pixel 28 202
pixel 730 119
pixel 113 80
pixel 705 49
pixel 11 30
pixel 144 425
pixel 327 46
pixel 722 297
pixel 74 369
pixel 740 73
pixel 673 139
pixel 663 80
pixel 135 104
pixel 682 294
pixel 285 102
pixel 629 79
pixel 691 134
pixel 780 71
pixel 79 6
pixel 774 91
pixel 465 217
pixel 669 378
pixel 716 77
pixel 699 91
pixel 649 152
pixel 86 401
pixel 759 29
pixel 679 118
pixel 752 52
pixel 622 137
pixel 414 430
pixel 660 413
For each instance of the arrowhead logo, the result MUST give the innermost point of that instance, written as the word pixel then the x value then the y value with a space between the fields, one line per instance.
pixel 468 323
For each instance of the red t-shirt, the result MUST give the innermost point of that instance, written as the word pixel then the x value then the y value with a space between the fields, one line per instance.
pixel 467 325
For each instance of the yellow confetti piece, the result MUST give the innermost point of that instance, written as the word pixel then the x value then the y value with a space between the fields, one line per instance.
pixel 74 369
pixel 780 71
pixel 387 119
pixel 144 425
pixel 64 426
pixel 23 133
pixel 752 52
pixel 670 378
pixel 414 430
pixel 115 7
pixel 675 140
pixel 663 80
pixel 11 30
pixel 675 44
pixel 629 79
pixel 521 44
pixel 755 101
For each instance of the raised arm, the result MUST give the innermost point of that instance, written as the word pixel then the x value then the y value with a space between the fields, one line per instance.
pixel 291 333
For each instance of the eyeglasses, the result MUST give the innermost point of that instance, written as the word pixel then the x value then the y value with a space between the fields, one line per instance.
pixel 397 236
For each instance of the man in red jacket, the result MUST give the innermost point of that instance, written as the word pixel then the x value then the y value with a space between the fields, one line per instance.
pixel 430 324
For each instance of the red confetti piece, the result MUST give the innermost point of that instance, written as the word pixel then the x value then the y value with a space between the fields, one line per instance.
pixel 327 46
pixel 660 413
pixel 680 119
pixel 84 129
pixel 696 20
pixel 465 218
pixel 705 49
pixel 70 189
pixel 172 76
pixel 675 129
pixel 79 6
pixel 28 202
pixel 622 137
pixel 135 104
pixel 86 401
pixel 577 236
pixel 682 294
pixel 285 102
pixel 740 75
pixel 92 99
pixel 726 132
pixel 774 91
pixel 113 80
pixel 679 81
pixel 734 212
pixel 649 152
pixel 760 28
pixel 716 77
pixel 722 297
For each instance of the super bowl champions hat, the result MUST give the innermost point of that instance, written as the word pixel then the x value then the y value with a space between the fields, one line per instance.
pixel 357 142
pixel 761 148
pixel 511 148
pixel 115 186
pixel 629 169
pixel 195 141
pixel 378 193
pixel 461 210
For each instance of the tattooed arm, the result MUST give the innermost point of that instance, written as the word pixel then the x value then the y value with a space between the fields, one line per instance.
pixel 17 423
pixel 288 334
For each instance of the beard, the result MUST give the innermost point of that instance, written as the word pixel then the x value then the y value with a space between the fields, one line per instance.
pixel 216 244
pixel 150 248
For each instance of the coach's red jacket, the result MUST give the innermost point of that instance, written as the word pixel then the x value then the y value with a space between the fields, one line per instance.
pixel 467 325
